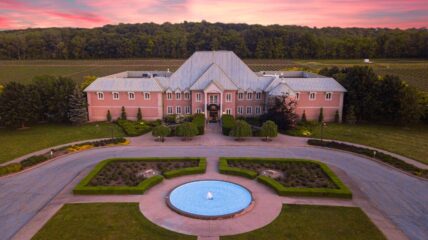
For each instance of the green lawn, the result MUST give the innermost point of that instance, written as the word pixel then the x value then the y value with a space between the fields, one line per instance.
pixel 411 142
pixel 16 143
pixel 300 222
pixel 103 221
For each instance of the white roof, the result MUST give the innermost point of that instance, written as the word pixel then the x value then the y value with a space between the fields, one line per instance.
pixel 223 68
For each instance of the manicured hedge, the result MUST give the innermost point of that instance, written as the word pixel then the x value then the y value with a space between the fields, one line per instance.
pixel 33 160
pixel 225 169
pixel 341 192
pixel 83 188
pixel 134 128
pixel 188 171
pixel 199 121
pixel 386 158
pixel 227 123
pixel 10 168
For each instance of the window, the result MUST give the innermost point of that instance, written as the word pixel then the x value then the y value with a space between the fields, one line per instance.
pixel 228 111
pixel 328 96
pixel 228 97
pixel 178 96
pixel 198 97
pixel 187 96
pixel 240 96
pixel 169 110
pixel 187 110
pixel 115 96
pixel 312 96
pixel 169 96
pixel 297 95
pixel 249 110
pixel 258 95
pixel 131 96
pixel 178 110
pixel 240 110
pixel 198 110
pixel 249 96
pixel 146 96
pixel 258 110
pixel 100 95
pixel 213 99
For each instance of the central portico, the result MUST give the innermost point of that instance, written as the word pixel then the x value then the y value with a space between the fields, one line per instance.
pixel 213 101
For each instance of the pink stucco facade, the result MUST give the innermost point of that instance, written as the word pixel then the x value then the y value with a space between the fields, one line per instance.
pixel 236 103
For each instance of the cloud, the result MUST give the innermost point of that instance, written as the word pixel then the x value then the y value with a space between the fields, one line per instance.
pixel 319 13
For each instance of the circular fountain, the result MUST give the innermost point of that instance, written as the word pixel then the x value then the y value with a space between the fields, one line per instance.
pixel 209 199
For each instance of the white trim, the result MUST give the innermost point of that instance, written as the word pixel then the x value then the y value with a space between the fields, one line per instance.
pixel 118 95
pixel 168 108
pixel 178 110
pixel 331 96
pixel 198 97
pixel 249 94
pixel 315 96
pixel 229 97
pixel 241 98
pixel 129 95
pixel 168 95
pixel 149 95
pixel 177 95
pixel 100 94
pixel 186 95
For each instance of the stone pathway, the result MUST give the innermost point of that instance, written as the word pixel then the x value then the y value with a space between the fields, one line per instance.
pixel 152 205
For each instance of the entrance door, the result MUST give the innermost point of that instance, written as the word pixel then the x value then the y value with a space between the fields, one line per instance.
pixel 213 112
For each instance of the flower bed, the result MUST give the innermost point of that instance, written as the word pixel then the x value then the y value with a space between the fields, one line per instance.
pixel 136 175
pixel 36 159
pixel 386 158
pixel 294 177
pixel 134 128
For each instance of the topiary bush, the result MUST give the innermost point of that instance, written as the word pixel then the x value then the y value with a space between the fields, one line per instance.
pixel 133 128
pixel 161 131
pixel 10 168
pixel 187 130
pixel 240 130
pixel 199 120
pixel 33 160
pixel 269 130
pixel 227 123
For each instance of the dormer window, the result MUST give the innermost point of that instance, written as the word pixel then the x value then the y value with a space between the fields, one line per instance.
pixel 249 96
pixel 169 96
pixel 258 95
pixel 187 95
pixel 312 96
pixel 328 96
pixel 100 95
pixel 146 96
pixel 297 95
pixel 115 96
pixel 240 96
pixel 131 96
pixel 178 96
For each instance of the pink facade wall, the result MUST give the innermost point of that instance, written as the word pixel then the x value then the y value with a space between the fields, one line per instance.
pixel 150 108
pixel 157 106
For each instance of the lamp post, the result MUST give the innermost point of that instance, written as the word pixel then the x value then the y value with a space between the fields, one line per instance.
pixel 323 124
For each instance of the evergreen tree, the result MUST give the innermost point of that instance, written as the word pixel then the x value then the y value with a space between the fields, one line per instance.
pixel 78 113
pixel 350 115
pixel 109 118
pixel 303 117
pixel 87 80
pixel 123 113
pixel 321 116
pixel 281 110
pixel 336 117
pixel 139 115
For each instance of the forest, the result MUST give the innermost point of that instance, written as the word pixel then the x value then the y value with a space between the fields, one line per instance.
pixel 150 40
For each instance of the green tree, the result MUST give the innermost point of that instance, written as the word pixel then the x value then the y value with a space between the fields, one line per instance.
pixel 350 115
pixel 139 115
pixel 269 130
pixel 123 113
pixel 1 88
pixel 187 130
pixel 240 130
pixel 108 116
pixel 336 117
pixel 78 113
pixel 87 80
pixel 321 116
pixel 281 110
pixel 161 131
pixel 303 120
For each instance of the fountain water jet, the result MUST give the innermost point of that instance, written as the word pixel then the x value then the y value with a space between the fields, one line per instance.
pixel 210 196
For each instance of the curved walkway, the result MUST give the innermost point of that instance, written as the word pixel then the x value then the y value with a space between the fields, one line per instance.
pixel 402 198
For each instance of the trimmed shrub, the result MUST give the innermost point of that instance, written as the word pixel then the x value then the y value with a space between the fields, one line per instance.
pixel 132 128
pixel 227 123
pixel 108 116
pixel 241 130
pixel 139 115
pixel 33 160
pixel 199 120
pixel 321 116
pixel 170 119
pixel 386 158
pixel 161 131
pixel 225 169
pixel 10 168
pixel 303 120
pixel 269 130
pixel 336 117
pixel 187 130
pixel 123 114
pixel 201 168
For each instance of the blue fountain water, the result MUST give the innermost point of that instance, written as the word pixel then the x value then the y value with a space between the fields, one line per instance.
pixel 210 198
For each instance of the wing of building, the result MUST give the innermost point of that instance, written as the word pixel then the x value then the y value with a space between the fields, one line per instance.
pixel 213 83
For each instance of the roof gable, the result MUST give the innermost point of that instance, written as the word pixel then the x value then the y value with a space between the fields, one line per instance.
pixel 214 73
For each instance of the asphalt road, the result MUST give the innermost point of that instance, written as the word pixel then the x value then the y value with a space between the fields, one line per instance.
pixel 404 199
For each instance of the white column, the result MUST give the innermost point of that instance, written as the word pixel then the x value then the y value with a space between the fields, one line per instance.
pixel 221 104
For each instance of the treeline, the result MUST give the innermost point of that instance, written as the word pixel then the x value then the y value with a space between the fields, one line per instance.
pixel 46 99
pixel 180 40
pixel 380 99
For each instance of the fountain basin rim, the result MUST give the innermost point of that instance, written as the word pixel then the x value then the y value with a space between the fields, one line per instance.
pixel 207 217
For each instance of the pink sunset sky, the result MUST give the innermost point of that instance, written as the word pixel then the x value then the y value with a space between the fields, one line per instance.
pixel 18 14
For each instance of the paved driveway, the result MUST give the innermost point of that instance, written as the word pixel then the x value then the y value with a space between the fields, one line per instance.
pixel 402 198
